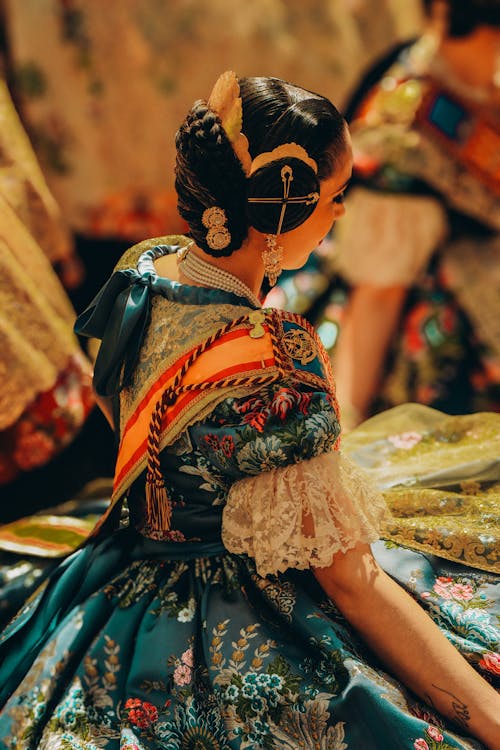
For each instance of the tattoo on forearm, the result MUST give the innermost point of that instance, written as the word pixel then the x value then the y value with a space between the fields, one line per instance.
pixel 461 711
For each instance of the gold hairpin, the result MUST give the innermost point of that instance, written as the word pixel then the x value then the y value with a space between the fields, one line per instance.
pixel 272 255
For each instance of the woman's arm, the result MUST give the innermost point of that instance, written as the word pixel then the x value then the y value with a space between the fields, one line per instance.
pixel 410 644
pixel 381 246
pixel 371 321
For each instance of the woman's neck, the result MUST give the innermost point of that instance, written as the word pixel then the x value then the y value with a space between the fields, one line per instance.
pixel 245 263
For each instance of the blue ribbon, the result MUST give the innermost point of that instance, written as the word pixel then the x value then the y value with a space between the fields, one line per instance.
pixel 118 316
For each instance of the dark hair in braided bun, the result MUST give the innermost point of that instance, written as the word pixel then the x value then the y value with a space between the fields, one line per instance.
pixel 466 15
pixel 208 173
pixel 277 112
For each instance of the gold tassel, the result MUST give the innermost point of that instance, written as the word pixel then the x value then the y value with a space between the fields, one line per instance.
pixel 158 506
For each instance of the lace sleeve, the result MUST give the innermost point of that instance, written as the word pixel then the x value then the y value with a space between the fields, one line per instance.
pixel 265 514
pixel 386 239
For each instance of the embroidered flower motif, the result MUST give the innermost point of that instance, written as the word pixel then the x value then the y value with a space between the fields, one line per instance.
pixel 405 440
pixel 262 454
pixel 324 428
pixel 173 535
pixel 187 658
pixel 227 445
pixel 141 713
pixel 182 674
pixel 286 399
pixel 434 734
pixel 463 591
pixel 232 693
pixel 442 588
pixel 420 744
pixel 255 412
pixel 72 709
pixel 491 662
pixel 186 614
pixel 194 724
pixel 224 445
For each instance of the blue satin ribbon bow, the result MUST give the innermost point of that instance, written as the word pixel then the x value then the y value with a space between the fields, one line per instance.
pixel 118 316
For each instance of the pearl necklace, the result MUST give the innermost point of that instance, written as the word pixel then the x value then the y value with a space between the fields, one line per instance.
pixel 199 270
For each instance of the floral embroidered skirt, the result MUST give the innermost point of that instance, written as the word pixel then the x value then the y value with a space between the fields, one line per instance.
pixel 135 644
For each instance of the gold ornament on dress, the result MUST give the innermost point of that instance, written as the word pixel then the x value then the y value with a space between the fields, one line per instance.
pixel 218 235
pixel 300 346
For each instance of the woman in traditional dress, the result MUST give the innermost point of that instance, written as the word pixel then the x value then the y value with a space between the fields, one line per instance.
pixel 410 311
pixel 241 606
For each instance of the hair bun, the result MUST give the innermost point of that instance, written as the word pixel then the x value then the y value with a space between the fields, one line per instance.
pixel 267 182
pixel 208 173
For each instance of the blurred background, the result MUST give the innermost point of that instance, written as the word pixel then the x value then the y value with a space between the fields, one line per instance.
pixel 102 87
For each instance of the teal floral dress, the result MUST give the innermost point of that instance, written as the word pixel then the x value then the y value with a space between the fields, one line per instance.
pixel 136 642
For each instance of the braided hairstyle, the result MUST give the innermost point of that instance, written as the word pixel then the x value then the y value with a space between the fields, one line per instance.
pixel 466 15
pixel 208 173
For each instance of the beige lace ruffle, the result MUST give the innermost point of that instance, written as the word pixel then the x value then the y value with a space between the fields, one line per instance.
pixel 386 239
pixel 266 515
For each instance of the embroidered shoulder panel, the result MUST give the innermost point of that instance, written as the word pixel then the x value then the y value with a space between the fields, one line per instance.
pixel 131 256
pixel 261 347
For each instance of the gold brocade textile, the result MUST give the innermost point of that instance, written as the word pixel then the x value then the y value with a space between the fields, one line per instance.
pixel 23 185
pixel 440 476
pixel 36 319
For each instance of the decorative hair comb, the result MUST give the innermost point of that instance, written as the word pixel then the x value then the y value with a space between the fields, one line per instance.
pixel 225 101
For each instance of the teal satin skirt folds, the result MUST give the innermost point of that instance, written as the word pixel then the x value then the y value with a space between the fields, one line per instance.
pixel 146 645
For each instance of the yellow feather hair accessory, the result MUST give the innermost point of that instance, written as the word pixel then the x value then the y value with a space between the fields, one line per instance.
pixel 225 101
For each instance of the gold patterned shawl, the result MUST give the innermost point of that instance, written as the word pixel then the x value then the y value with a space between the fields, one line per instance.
pixel 36 319
pixel 23 185
pixel 440 476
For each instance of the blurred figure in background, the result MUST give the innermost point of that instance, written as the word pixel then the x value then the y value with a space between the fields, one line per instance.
pixel 51 440
pixel 413 310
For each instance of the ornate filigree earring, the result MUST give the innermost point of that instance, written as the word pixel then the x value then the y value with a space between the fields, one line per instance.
pixel 272 256
pixel 215 220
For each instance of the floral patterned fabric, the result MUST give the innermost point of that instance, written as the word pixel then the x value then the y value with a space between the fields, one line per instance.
pixel 135 643
pixel 128 647
pixel 49 423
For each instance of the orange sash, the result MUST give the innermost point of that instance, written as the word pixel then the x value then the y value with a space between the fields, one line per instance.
pixel 259 351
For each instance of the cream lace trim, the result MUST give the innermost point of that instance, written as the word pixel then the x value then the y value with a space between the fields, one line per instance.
pixel 300 516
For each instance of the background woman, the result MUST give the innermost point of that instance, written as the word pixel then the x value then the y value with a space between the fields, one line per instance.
pixel 411 312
